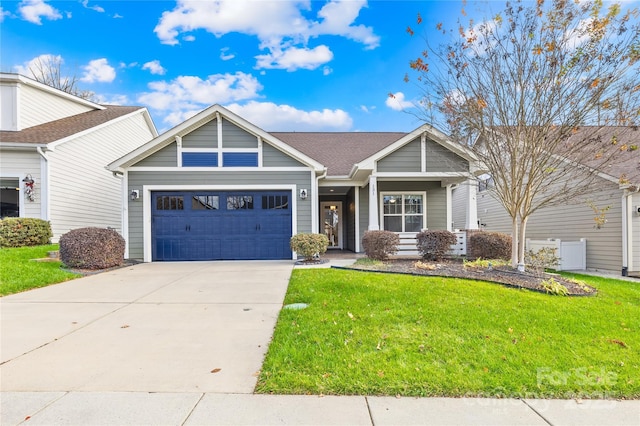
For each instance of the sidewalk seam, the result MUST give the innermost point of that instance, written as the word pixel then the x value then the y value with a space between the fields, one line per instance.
pixel 536 411
pixel 192 409
pixel 366 400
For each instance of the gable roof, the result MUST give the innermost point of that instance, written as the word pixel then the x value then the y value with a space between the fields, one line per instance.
pixel 339 151
pixel 200 119
pixel 57 130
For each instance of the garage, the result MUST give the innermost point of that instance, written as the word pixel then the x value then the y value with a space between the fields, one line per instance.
pixel 221 225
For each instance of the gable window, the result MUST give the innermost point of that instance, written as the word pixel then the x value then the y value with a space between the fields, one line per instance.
pixel 199 159
pixel 403 212
pixel 240 159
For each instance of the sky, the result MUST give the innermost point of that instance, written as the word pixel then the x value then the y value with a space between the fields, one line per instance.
pixel 284 65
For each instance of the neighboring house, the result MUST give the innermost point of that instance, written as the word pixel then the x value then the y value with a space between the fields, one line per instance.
pixel 613 245
pixel 53 151
pixel 218 187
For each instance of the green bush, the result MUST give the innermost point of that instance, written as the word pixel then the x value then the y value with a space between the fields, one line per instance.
pixel 23 231
pixel 379 245
pixel 92 248
pixel 434 245
pixel 488 245
pixel 308 245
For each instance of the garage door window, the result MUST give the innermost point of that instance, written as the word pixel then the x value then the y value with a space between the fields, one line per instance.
pixel 239 202
pixel 275 202
pixel 170 202
pixel 205 202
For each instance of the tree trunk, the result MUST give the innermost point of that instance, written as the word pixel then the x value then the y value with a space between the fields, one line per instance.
pixel 514 242
pixel 522 242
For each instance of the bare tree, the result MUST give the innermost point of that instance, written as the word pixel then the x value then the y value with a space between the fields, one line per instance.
pixel 530 91
pixel 47 69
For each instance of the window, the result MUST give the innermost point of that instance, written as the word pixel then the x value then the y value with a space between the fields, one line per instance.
pixel 403 212
pixel 205 202
pixel 240 159
pixel 199 159
pixel 274 202
pixel 169 202
pixel 485 184
pixel 240 202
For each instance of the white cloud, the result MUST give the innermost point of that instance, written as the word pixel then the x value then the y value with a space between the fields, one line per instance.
pixel 396 102
pixel 154 67
pixel 367 109
pixel 99 71
pixel 99 9
pixel 189 38
pixel 112 99
pixel 190 93
pixel 226 56
pixel 3 13
pixel 272 117
pixel 280 26
pixel 117 16
pixel 294 58
pixel 326 70
pixel 34 10
pixel 37 63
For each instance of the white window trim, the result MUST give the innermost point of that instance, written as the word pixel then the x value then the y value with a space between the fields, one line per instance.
pixel 403 193
pixel 19 178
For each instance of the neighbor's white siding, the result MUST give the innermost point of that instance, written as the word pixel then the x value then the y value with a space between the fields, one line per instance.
pixel 635 234
pixel 569 222
pixel 8 107
pixel 38 107
pixel 18 164
pixel 83 192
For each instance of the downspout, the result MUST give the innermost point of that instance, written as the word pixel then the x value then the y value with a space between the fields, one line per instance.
pixel 627 232
pixel 315 194
pixel 45 209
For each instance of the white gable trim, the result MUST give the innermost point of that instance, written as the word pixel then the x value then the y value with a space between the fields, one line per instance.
pixel 204 116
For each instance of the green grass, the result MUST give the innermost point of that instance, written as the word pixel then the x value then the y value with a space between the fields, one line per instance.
pixel 381 334
pixel 19 272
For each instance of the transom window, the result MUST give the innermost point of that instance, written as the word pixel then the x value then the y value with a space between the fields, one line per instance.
pixel 239 202
pixel 403 212
pixel 205 202
pixel 170 202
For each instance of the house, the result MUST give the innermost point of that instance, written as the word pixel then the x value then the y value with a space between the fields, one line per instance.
pixel 53 151
pixel 608 216
pixel 218 187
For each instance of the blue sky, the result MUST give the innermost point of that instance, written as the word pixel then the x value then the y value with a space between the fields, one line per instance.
pixel 284 65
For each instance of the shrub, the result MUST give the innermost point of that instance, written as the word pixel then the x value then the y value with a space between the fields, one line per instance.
pixel 308 245
pixel 379 245
pixel 489 245
pixel 92 248
pixel 552 286
pixel 22 231
pixel 545 258
pixel 434 245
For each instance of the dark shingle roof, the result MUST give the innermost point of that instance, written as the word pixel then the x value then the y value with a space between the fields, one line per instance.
pixel 339 151
pixel 59 129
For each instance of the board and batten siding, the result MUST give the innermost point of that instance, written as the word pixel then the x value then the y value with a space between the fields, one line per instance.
pixel 83 192
pixel 405 159
pixel 38 107
pixel 568 222
pixel 236 137
pixel 18 164
pixel 218 178
pixel 205 136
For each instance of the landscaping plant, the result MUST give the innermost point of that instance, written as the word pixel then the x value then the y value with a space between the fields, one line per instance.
pixel 379 245
pixel 434 245
pixel 309 245
pixel 92 248
pixel 23 231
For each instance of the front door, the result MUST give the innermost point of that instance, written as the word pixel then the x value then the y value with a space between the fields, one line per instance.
pixel 331 222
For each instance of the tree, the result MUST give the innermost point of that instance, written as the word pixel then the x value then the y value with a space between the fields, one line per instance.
pixel 530 92
pixel 47 69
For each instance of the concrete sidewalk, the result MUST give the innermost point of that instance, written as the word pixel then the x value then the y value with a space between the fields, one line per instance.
pixel 189 408
pixel 182 343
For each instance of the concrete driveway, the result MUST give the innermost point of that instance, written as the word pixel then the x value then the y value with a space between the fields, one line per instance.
pixel 155 327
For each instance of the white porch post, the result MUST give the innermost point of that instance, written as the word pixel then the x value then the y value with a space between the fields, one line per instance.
pixel 472 205
pixel 373 204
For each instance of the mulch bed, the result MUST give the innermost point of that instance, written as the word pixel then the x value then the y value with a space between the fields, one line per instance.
pixel 455 269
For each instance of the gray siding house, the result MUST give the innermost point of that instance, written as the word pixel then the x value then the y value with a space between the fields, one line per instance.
pixel 53 150
pixel 218 187
pixel 611 246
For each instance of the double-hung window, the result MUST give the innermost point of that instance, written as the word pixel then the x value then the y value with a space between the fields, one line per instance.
pixel 403 212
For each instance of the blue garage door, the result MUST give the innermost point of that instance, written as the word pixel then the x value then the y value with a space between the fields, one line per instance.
pixel 221 225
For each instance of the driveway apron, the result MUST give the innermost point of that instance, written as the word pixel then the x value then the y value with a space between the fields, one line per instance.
pixel 154 327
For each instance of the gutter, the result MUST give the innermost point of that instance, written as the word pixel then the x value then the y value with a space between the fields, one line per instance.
pixel 45 177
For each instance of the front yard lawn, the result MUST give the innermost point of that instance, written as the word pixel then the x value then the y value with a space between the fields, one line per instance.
pixel 383 334
pixel 19 272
